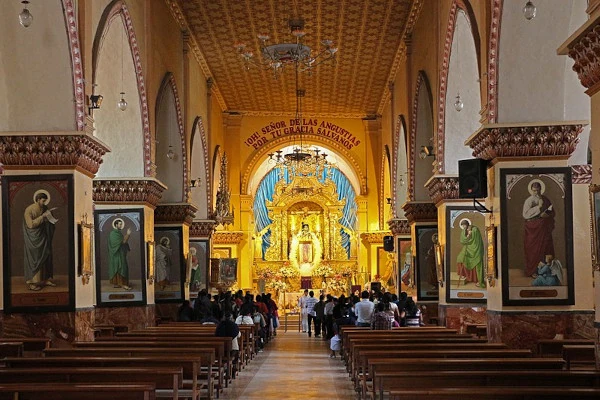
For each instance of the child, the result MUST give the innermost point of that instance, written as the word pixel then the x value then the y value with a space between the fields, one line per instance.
pixel 335 344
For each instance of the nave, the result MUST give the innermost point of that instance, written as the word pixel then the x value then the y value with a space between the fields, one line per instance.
pixel 292 366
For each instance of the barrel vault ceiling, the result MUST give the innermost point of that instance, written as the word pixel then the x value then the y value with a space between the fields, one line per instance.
pixel 368 34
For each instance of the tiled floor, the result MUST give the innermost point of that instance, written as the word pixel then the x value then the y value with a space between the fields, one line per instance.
pixel 292 366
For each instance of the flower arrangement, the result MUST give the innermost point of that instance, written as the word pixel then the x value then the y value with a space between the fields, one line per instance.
pixel 276 285
pixel 322 270
pixel 289 271
pixel 347 271
pixel 265 274
pixel 337 284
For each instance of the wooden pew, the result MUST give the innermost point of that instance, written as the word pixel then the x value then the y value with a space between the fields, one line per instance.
pixel 375 366
pixel 496 393
pixel 11 349
pixel 31 345
pixel 205 355
pixel 222 346
pixel 398 380
pixel 392 346
pixel 191 365
pixel 77 391
pixel 364 372
pixel 579 356
pixel 553 347
pixel 168 380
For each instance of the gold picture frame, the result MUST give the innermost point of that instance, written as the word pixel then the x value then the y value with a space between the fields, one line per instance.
pixel 595 225
pixel 150 261
pixel 86 238
pixel 439 263
pixel 491 255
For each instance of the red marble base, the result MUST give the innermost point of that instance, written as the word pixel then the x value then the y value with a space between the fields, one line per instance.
pixel 65 327
pixel 522 330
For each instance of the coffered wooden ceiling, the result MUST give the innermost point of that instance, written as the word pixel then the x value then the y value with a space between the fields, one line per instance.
pixel 368 34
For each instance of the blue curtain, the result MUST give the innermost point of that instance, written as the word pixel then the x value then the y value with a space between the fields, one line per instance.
pixel 266 190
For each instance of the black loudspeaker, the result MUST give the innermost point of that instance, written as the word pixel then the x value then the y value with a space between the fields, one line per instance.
pixel 388 243
pixel 472 178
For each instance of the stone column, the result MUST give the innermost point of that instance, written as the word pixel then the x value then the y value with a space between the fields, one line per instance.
pixel 418 214
pixel 443 190
pixel 124 194
pixel 582 48
pixel 175 216
pixel 524 147
pixel 26 159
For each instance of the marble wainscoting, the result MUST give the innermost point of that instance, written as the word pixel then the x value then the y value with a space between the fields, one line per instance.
pixel 132 317
pixel 60 326
pixel 459 316
pixel 167 311
pixel 523 329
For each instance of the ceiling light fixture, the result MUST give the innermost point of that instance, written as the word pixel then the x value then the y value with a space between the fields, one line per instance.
pixel 529 11
pixel 276 56
pixel 25 17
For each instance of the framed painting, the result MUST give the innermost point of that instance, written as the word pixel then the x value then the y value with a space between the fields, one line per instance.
pixel 169 264
pixel 406 272
pixel 228 270
pixel 120 257
pixel 426 269
pixel 198 266
pixel 466 261
pixel 86 235
pixel 595 203
pixel 39 243
pixel 537 236
pixel 386 269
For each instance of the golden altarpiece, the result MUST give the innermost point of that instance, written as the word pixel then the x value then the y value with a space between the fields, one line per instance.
pixel 306 238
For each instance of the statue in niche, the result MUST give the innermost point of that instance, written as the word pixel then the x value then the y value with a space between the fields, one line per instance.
pixel 305 249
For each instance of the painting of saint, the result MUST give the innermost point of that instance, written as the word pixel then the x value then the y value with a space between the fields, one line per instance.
pixel 170 267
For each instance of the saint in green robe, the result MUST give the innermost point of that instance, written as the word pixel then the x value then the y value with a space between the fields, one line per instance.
pixel 118 270
pixel 470 258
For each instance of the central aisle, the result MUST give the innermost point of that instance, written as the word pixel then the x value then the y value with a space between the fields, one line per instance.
pixel 292 366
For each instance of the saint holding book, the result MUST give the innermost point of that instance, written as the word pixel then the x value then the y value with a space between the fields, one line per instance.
pixel 539 214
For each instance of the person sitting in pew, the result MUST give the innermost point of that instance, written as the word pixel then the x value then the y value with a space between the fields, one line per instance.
pixel 228 328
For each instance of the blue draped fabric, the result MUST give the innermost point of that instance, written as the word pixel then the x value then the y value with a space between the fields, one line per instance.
pixel 266 190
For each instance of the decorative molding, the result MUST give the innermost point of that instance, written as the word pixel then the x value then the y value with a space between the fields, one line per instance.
pixel 177 213
pixel 492 95
pixel 413 16
pixel 419 211
pixel 557 140
pixel 128 190
pixel 51 149
pixel 77 68
pixel 374 237
pixel 399 226
pixel 442 187
pixel 444 70
pixel 198 128
pixel 581 174
pixel 582 47
pixel 227 237
pixel 413 138
pixel 202 228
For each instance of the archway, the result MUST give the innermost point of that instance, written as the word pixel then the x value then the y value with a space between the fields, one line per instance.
pixel 422 136
pixel 199 170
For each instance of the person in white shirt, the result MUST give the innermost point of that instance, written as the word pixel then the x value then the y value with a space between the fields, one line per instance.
pixel 364 310
pixel 303 312
pixel 310 312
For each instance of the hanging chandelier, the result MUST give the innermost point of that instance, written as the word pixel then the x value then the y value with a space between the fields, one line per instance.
pixel 276 56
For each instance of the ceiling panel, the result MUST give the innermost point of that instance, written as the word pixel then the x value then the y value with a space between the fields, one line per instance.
pixel 367 33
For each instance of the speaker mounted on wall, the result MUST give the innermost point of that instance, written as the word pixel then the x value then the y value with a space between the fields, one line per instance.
pixel 388 243
pixel 472 178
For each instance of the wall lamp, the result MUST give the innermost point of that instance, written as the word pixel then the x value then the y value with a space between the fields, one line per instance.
pixel 388 200
pixel 195 182
pixel 426 151
pixel 95 102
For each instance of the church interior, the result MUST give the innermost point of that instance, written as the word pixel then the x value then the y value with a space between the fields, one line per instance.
pixel 150 149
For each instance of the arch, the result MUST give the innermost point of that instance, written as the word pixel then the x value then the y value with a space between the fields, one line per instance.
pixel 462 78
pixel 168 94
pixel 216 173
pixel 399 159
pixel 41 79
pixel 202 165
pixel 114 9
pixel 457 5
pixel 422 95
pixel 385 209
pixel 259 156
pixel 492 72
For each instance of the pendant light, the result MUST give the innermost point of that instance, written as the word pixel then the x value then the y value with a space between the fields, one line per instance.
pixel 25 17
pixel 122 104
pixel 529 11
pixel 458 103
